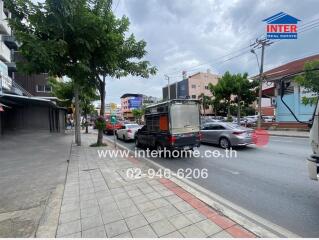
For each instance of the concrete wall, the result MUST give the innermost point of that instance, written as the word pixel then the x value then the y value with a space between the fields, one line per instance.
pixel 303 113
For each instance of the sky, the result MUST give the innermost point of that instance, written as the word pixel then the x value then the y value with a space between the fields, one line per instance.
pixel 196 35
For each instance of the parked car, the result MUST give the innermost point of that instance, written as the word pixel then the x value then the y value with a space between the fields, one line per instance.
pixel 174 125
pixel 226 135
pixel 127 132
pixel 268 118
pixel 110 128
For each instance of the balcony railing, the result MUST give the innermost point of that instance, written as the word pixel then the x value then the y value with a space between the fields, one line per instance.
pixel 5 83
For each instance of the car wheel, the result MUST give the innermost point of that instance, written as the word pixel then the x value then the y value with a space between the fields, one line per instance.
pixel 224 143
pixel 159 147
pixel 137 143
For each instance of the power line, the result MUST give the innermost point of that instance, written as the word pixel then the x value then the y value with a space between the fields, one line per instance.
pixel 302 27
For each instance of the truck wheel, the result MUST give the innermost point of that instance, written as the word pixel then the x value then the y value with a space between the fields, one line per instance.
pixel 137 143
pixel 224 143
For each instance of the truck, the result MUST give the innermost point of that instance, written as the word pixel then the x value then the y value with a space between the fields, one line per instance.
pixel 313 123
pixel 171 125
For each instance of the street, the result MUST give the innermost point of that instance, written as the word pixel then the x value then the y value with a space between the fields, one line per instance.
pixel 271 182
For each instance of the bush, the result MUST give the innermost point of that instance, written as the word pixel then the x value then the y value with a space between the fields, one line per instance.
pixel 100 123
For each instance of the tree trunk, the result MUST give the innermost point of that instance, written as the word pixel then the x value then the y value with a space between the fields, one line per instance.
pixel 86 123
pixel 77 115
pixel 238 110
pixel 102 110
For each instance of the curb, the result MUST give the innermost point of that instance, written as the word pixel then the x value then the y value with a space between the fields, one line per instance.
pixel 49 220
pixel 257 225
pixel 280 135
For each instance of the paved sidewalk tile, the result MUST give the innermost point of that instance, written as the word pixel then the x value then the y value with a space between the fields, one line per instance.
pixel 101 201
pixel 208 227
pixel 136 221
pixel 91 222
pixel 180 221
pixel 163 227
pixel 144 232
pixel 69 228
pixel 153 215
pixel 116 228
pixel 111 216
pixel 98 232
pixel 192 232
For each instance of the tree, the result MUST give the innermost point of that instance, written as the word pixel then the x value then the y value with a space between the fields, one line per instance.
pixel 113 53
pixel 205 102
pixel 138 113
pixel 244 90
pixel 64 90
pixel 55 37
pixel 310 80
pixel 234 88
pixel 81 39
pixel 223 90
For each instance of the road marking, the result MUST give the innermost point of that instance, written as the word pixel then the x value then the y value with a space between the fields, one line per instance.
pixel 230 171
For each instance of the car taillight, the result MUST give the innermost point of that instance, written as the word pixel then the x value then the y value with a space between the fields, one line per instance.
pixel 200 136
pixel 238 133
pixel 129 130
pixel 171 139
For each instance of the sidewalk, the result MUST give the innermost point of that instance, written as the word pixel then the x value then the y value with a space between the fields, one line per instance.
pixel 101 201
pixel 288 133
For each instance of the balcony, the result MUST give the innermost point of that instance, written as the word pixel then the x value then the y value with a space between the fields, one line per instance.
pixel 12 67
pixel 5 83
pixel 10 41
pixel 5 53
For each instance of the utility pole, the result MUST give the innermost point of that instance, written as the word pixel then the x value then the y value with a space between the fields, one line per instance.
pixel 260 43
pixel 168 87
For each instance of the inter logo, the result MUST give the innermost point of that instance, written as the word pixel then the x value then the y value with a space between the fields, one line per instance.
pixel 281 26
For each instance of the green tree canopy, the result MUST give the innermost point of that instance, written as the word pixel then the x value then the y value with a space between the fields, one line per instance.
pixel 310 80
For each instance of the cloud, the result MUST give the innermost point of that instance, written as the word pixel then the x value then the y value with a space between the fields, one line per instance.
pixel 181 34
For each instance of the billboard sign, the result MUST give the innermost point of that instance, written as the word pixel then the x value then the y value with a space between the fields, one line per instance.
pixel 135 102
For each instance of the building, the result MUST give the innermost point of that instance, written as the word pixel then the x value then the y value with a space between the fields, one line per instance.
pixel 192 87
pixel 130 101
pixel 36 84
pixel 149 100
pixel 293 93
pixel 19 109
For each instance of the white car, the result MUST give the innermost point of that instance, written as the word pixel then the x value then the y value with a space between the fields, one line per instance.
pixel 127 132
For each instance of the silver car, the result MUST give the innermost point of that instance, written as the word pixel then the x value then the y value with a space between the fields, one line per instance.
pixel 226 135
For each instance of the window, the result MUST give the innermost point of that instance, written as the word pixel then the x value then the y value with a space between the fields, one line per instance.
pixel 48 88
pixel 206 87
pixel 194 96
pixel 40 88
pixel 43 88
pixel 193 86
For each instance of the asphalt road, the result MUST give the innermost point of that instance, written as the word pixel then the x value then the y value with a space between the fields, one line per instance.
pixel 271 182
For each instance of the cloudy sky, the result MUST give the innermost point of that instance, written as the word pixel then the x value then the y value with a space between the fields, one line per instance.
pixel 195 35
